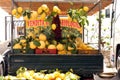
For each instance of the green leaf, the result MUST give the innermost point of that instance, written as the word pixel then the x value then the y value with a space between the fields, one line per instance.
pixel 37 43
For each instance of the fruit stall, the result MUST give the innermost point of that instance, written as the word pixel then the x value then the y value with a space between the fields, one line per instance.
pixel 53 40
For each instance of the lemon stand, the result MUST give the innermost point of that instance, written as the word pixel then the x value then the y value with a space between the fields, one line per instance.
pixel 83 64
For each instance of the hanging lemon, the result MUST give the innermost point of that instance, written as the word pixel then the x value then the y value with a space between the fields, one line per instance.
pixel 34 15
pixel 39 10
pixel 43 16
pixel 18 15
pixel 53 26
pixel 55 9
pixel 14 11
pixel 44 7
pixel 20 10
pixel 85 8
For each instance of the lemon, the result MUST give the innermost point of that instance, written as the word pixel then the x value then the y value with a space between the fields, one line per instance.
pixel 39 10
pixel 60 47
pixel 18 15
pixel 17 46
pixel 31 34
pixel 85 8
pixel 55 9
pixel 47 10
pixel 34 15
pixel 25 18
pixel 62 52
pixel 44 7
pixel 70 48
pixel 20 10
pixel 51 46
pixel 23 41
pixel 59 11
pixel 43 16
pixel 58 78
pixel 14 11
pixel 32 45
pixel 42 37
pixel 42 45
pixel 53 26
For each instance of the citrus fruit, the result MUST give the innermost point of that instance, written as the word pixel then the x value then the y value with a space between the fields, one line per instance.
pixel 39 10
pixel 85 8
pixel 34 15
pixel 17 46
pixel 14 11
pixel 70 48
pixel 42 45
pixel 32 45
pixel 53 26
pixel 42 37
pixel 20 9
pixel 44 7
pixel 55 9
pixel 51 46
pixel 43 16
pixel 60 47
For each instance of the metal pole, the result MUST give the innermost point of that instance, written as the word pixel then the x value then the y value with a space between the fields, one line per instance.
pixel 5 28
pixel 99 41
pixel 12 26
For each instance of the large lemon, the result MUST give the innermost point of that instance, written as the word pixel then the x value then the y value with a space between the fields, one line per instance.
pixel 51 46
pixel 60 47
pixel 42 45
pixel 42 37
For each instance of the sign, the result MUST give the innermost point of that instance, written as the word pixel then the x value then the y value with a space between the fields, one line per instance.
pixel 64 22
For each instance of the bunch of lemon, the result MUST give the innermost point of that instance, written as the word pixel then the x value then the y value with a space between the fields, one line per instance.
pixel 25 74
pixel 17 12
pixel 42 11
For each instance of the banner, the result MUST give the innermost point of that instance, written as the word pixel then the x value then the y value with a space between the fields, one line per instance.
pixel 64 23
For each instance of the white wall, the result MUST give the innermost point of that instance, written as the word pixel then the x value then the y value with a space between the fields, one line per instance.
pixel 2 24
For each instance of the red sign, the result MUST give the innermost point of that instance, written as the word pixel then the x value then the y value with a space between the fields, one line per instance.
pixel 64 22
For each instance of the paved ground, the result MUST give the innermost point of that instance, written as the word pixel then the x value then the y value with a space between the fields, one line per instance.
pixel 3 46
